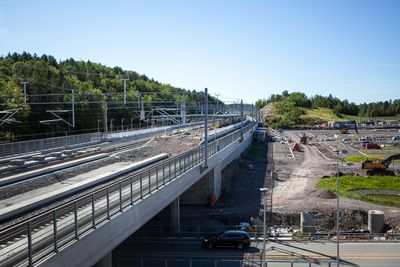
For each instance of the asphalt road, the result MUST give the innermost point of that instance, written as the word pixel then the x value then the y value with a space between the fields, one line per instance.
pixel 174 252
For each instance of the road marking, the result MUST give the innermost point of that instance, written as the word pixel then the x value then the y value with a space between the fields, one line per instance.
pixel 330 256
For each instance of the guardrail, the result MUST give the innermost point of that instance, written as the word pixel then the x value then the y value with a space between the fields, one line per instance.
pixel 26 147
pixel 30 241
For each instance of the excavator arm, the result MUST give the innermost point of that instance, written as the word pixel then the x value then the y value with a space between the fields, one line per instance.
pixel 390 159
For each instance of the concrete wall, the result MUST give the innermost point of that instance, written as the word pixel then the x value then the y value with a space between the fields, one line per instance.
pixel 96 244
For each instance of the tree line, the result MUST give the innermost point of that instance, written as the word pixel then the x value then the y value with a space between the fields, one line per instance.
pixel 93 83
pixel 340 107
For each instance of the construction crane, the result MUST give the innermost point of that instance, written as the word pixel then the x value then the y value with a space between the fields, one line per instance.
pixel 379 167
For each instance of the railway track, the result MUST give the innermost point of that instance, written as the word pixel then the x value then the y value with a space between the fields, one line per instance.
pixel 53 164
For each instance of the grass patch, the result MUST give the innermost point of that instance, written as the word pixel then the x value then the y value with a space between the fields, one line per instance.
pixel 358 159
pixel 322 114
pixel 349 183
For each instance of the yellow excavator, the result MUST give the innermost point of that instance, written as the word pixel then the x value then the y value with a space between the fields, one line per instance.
pixel 379 167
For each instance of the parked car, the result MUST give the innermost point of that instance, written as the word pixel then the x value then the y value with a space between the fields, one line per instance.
pixel 372 146
pixel 231 238
pixel 364 143
pixel 397 137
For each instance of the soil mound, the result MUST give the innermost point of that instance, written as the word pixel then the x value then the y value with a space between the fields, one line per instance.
pixel 267 112
pixel 324 194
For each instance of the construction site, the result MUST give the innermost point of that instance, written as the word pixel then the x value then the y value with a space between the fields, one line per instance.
pixel 290 163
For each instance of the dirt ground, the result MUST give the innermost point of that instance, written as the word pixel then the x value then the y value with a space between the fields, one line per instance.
pixel 295 182
pixel 292 184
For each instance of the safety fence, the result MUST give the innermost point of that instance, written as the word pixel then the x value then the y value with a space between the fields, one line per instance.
pixel 29 241
pixel 31 146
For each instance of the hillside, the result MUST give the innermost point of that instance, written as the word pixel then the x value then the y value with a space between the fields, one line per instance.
pixel 321 115
pixel 290 110
pixel 50 85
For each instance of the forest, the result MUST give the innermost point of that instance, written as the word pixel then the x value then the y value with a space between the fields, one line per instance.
pixel 49 84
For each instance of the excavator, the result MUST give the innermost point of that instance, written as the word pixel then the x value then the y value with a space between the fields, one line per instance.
pixel 303 139
pixel 379 167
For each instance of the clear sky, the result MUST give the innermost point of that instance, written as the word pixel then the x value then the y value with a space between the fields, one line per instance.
pixel 239 49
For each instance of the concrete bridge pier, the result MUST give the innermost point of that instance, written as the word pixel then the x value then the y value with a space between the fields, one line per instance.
pixel 216 187
pixel 175 216
pixel 207 190
pixel 106 261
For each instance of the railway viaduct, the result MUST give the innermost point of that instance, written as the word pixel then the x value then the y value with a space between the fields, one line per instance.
pixel 187 179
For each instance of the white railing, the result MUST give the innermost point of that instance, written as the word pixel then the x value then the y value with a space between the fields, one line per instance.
pixel 31 146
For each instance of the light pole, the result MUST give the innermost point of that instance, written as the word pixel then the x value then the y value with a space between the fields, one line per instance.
pixel 264 190
pixel 337 209
pixel 98 126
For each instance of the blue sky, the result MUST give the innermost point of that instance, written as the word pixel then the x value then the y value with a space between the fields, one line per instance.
pixel 239 49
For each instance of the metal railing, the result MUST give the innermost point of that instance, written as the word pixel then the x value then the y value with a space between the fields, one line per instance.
pixel 31 146
pixel 31 240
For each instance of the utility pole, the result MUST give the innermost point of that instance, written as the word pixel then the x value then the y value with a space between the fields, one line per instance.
pixel 264 191
pixel 105 117
pixel 241 120
pixel 183 109
pixel 142 114
pixel 205 128
pixel 138 99
pixel 125 89
pixel 73 108
pixel 337 209
pixel 25 95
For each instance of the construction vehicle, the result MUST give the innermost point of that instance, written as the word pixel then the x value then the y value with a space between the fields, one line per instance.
pixel 303 139
pixel 344 130
pixel 297 147
pixel 345 126
pixel 379 167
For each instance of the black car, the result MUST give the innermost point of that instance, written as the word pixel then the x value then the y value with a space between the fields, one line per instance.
pixel 231 238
